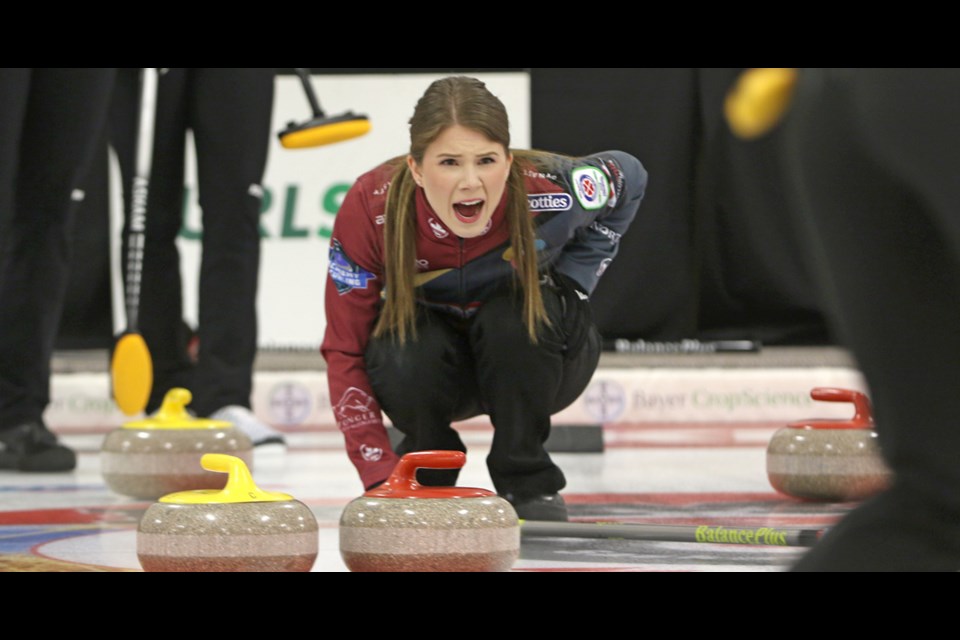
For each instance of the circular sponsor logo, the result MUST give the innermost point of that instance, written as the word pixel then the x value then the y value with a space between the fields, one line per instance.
pixel 588 188
pixel 605 400
pixel 370 454
pixel 290 403
pixel 591 187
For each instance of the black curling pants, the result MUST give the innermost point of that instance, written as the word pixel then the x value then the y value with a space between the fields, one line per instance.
pixel 456 370
pixel 228 111
pixel 875 159
pixel 50 122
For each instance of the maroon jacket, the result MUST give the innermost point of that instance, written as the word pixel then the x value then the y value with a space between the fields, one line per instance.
pixel 581 207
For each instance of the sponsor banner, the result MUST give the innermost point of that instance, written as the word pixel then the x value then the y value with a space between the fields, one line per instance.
pixel 300 399
pixel 83 400
pixel 710 395
pixel 303 189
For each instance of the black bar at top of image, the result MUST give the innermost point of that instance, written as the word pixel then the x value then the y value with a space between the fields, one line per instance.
pixel 368 71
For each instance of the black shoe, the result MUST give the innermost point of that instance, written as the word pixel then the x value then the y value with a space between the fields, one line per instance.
pixel 32 447
pixel 550 507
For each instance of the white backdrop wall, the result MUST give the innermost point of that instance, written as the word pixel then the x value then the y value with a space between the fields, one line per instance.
pixel 304 188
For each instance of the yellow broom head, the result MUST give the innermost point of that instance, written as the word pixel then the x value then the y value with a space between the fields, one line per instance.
pixel 321 131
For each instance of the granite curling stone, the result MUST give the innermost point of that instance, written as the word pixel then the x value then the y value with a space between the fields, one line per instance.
pixel 405 526
pixel 150 458
pixel 238 528
pixel 829 460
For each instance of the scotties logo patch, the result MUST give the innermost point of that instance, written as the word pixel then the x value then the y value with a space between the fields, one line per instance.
pixel 549 201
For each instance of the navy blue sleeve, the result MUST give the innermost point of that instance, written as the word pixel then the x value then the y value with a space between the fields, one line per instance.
pixel 608 187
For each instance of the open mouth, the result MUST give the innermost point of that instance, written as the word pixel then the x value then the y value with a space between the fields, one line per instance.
pixel 468 210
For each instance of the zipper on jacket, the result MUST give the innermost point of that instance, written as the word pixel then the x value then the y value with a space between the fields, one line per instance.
pixel 461 294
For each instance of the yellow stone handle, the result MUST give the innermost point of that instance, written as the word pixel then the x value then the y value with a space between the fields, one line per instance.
pixel 224 463
pixel 240 486
pixel 174 405
pixel 173 414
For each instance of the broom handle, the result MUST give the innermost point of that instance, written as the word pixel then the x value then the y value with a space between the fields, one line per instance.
pixel 308 89
pixel 139 192
pixel 709 534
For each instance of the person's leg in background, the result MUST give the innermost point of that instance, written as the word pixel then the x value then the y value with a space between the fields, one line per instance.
pixel 230 115
pixel 50 122
pixel 875 156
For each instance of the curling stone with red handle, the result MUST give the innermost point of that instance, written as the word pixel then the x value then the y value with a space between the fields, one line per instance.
pixel 150 458
pixel 829 460
pixel 405 526
pixel 238 528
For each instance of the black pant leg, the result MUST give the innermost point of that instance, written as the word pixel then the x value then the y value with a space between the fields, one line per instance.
pixel 424 386
pixel 14 90
pixel 522 384
pixel 230 115
pixel 17 403
pixel 58 127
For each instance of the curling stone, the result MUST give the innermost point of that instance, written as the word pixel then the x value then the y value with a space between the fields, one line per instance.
pixel 829 460
pixel 238 528
pixel 150 458
pixel 404 526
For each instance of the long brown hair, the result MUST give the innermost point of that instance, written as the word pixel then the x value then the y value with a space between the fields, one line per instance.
pixel 447 102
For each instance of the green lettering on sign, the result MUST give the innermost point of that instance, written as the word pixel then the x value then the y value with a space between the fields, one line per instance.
pixel 331 202
pixel 289 210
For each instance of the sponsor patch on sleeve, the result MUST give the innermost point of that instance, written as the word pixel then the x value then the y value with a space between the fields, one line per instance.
pixel 549 202
pixel 612 167
pixel 591 186
pixel 345 273
pixel 356 408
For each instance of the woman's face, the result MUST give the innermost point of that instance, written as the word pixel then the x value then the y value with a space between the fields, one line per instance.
pixel 463 175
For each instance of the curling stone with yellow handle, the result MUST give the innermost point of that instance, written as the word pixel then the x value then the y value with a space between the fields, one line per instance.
pixel 404 526
pixel 150 458
pixel 238 528
pixel 829 460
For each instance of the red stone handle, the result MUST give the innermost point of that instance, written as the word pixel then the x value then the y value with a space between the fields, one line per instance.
pixel 406 469
pixel 402 483
pixel 863 411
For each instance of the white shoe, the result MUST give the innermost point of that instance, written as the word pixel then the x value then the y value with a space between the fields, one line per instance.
pixel 245 420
